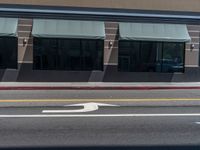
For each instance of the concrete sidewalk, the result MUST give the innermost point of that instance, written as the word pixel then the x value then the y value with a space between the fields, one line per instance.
pixel 98 85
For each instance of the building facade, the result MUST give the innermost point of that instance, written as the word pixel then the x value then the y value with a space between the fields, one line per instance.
pixel 99 41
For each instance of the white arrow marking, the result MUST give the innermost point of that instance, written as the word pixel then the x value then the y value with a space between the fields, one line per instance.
pixel 99 115
pixel 87 107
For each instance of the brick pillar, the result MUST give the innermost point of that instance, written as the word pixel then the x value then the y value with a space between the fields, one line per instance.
pixel 25 50
pixel 111 51
pixel 192 54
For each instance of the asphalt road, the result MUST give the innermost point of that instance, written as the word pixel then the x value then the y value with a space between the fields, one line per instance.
pixel 62 97
pixel 85 94
pixel 119 132
pixel 135 125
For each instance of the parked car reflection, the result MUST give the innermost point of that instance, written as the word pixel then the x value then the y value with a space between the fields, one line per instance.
pixel 165 65
pixel 169 65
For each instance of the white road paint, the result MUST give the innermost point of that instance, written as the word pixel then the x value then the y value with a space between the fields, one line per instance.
pixel 87 107
pixel 100 115
pixel 197 123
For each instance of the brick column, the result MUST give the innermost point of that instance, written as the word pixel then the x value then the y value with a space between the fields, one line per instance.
pixel 192 54
pixel 25 50
pixel 111 51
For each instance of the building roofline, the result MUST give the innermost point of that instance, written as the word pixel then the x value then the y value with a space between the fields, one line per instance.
pixel 97 13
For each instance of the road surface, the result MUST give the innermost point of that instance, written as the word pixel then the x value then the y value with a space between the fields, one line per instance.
pixel 142 120
pixel 101 132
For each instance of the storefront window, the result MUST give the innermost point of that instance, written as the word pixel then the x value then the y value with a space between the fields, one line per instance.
pixel 8 52
pixel 68 54
pixel 135 56
pixel 173 57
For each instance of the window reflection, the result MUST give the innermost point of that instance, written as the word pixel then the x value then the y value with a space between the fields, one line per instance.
pixel 145 56
pixel 68 54
pixel 8 52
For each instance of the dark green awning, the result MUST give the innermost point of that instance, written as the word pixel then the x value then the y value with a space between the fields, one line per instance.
pixel 154 32
pixel 48 28
pixel 8 27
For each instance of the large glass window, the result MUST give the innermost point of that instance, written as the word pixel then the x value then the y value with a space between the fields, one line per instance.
pixel 143 56
pixel 8 52
pixel 68 54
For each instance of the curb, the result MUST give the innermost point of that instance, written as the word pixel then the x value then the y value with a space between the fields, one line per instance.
pixel 99 87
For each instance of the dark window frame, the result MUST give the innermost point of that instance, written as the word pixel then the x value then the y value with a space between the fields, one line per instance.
pixel 162 49
pixel 97 41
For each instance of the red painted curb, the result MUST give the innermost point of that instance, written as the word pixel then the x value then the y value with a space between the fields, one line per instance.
pixel 98 88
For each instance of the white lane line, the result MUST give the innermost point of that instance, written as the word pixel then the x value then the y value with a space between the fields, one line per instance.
pixel 197 123
pixel 99 115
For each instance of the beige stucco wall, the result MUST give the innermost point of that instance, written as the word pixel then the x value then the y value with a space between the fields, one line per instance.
pixel 175 5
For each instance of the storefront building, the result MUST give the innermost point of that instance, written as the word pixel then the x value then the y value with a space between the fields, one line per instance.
pixel 99 41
